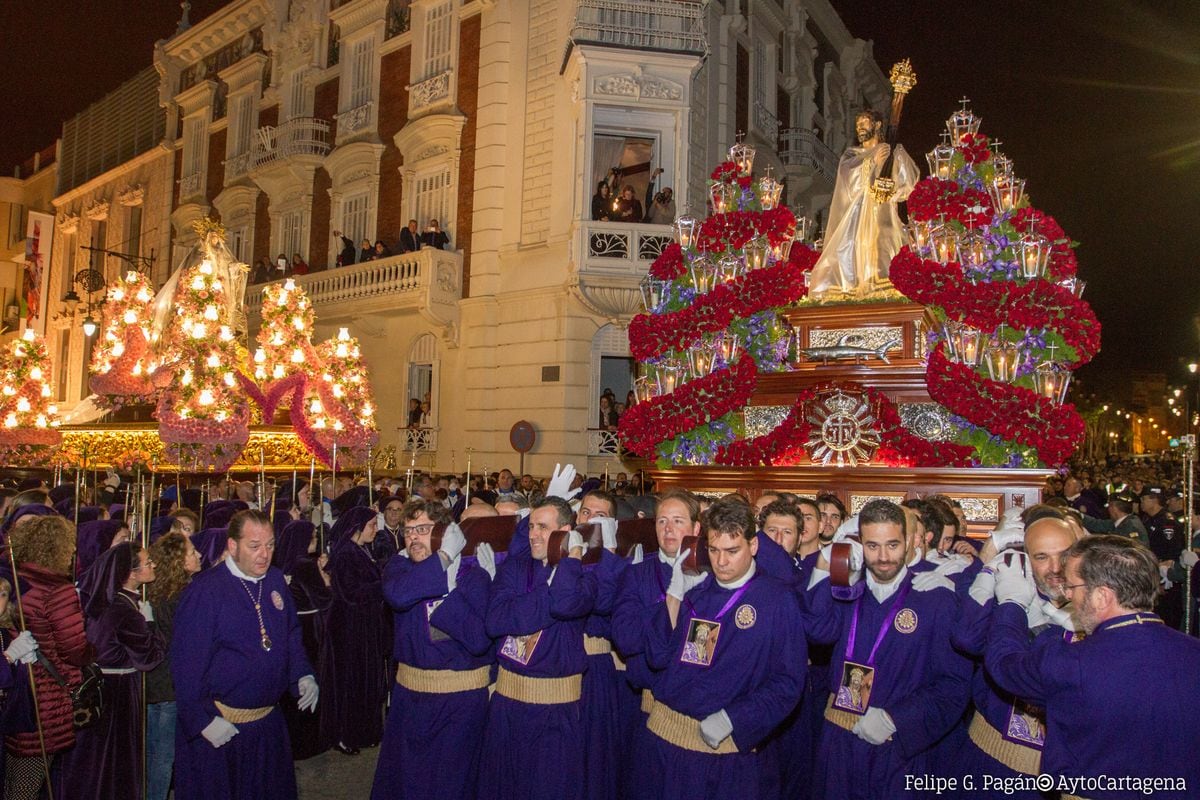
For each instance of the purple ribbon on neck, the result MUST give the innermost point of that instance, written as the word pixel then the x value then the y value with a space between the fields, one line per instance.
pixel 897 604
pixel 730 603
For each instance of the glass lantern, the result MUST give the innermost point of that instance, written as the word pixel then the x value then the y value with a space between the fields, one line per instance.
pixel 742 155
pixel 702 272
pixel 973 253
pixel 1051 381
pixel 1033 250
pixel 644 389
pixel 652 292
pixel 729 345
pixel 724 197
pixel 939 159
pixel 806 228
pixel 685 230
pixel 969 345
pixel 667 376
pixel 769 191
pixel 730 268
pixel 1002 167
pixel 961 123
pixel 756 254
pixel 1073 285
pixel 1006 192
pixel 1003 358
pixel 944 244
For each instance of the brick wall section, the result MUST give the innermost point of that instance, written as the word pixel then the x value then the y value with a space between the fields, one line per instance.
pixel 468 104
pixel 319 234
pixel 325 105
pixel 262 229
pixel 215 180
pixel 393 115
pixel 543 53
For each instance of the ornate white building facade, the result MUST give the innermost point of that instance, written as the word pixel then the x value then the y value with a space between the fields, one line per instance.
pixel 292 120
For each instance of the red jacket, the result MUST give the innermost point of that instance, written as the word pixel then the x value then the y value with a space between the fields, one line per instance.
pixel 53 615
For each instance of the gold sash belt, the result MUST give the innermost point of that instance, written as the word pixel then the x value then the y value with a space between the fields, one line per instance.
pixel 684 732
pixel 242 716
pixel 442 681
pixel 843 719
pixel 539 691
pixel 618 662
pixel 647 701
pixel 1017 757
pixel 596 645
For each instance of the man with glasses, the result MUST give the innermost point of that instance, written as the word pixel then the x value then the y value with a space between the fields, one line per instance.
pixel 443 655
pixel 1121 704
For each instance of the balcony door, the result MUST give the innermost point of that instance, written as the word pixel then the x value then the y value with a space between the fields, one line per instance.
pixel 635 156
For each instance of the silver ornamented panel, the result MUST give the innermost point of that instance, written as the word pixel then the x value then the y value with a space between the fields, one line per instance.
pixel 871 338
pixel 980 509
pixel 761 420
pixel 930 421
pixel 857 501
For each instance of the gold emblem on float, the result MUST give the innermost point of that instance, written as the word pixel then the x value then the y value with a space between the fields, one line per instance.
pixel 844 430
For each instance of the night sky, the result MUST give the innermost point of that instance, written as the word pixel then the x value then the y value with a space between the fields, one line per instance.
pixel 1097 103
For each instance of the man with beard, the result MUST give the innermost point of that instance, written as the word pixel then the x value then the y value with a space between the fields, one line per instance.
pixel 1121 702
pixel 730 650
pixel 833 514
pixel 1000 740
pixel 899 637
pixel 642 590
pixel 537 613
pixel 864 231
pixel 443 654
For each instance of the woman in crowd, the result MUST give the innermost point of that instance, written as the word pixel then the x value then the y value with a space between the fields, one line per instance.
pixel 296 556
pixel 42 549
pixel 299 265
pixel 629 208
pixel 106 763
pixel 602 205
pixel 368 251
pixel 381 250
pixel 355 663
pixel 175 562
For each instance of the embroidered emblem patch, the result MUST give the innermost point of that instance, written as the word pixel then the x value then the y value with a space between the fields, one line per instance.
pixel 906 620
pixel 277 600
pixel 745 617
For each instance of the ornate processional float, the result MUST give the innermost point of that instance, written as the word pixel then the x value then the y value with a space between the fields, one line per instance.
pixel 936 359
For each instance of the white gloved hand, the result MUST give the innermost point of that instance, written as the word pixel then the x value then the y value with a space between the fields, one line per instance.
pixel 23 649
pixel 453 542
pixel 953 565
pixel 219 731
pixel 575 540
pixel 1059 616
pixel 682 583
pixel 309 692
pixel 1188 559
pixel 856 556
pixel 639 554
pixel 112 480
pixel 1035 615
pixel 928 581
pixel 522 513
pixel 608 531
pixel 147 610
pixel 452 574
pixel 560 482
pixel 875 726
pixel 983 588
pixel 1010 532
pixel 1014 584
pixel 716 728
pixel 1167 583
pixel 486 557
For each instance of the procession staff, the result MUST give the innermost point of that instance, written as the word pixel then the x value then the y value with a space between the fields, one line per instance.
pixel 237 648
pixel 730 649
pixel 1085 687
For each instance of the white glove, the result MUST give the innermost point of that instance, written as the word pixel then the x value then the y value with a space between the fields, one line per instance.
pixel 381 523
pixel 682 583
pixel 453 542
pixel 147 610
pixel 560 482
pixel 486 558
pixel 1059 616
pixel 219 731
pixel 575 539
pixel 874 727
pixel 1167 583
pixel 953 565
pixel 112 480
pixel 1035 616
pixel 856 555
pixel 983 588
pixel 452 575
pixel 639 554
pixel 522 513
pixel 309 692
pixel 23 649
pixel 1188 559
pixel 1013 583
pixel 608 531
pixel 1010 532
pixel 927 581
pixel 716 728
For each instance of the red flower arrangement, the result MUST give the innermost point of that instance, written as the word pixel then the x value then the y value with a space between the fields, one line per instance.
pixel 694 403
pixel 1063 263
pixel 669 264
pixel 1010 412
pixel 934 198
pixel 651 335
pixel 785 445
pixel 732 230
pixel 974 147
pixel 725 172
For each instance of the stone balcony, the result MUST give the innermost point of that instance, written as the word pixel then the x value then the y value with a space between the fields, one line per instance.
pixel 191 186
pixel 676 26
pixel 766 124
pixel 609 259
pixel 297 138
pixel 430 94
pixel 802 150
pixel 428 282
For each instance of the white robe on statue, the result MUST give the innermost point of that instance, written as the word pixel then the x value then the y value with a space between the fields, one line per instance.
pixel 862 235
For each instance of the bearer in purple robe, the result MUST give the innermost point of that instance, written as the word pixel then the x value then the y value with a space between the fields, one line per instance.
pixel 1006 733
pixel 237 648
pixel 1122 702
pixel 901 687
pixel 731 650
pixel 534 738
pixel 434 729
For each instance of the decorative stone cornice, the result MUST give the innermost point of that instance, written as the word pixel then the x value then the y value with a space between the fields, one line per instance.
pixel 97 211
pixel 355 15
pixel 131 195
pixel 68 223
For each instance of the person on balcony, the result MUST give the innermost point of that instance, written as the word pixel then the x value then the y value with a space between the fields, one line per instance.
pixel 280 269
pixel 660 206
pixel 602 202
pixel 410 238
pixel 629 208
pixel 381 250
pixel 262 271
pixel 346 257
pixel 299 265
pixel 367 253
pixel 434 236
